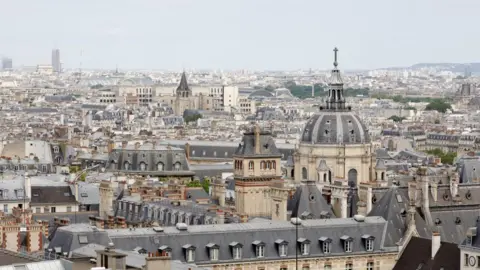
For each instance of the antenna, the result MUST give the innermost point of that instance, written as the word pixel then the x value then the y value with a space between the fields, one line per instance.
pixel 80 67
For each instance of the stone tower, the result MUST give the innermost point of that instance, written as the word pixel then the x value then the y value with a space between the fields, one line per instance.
pixel 184 95
pixel 256 165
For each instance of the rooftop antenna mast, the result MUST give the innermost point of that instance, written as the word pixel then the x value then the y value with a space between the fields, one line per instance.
pixel 80 68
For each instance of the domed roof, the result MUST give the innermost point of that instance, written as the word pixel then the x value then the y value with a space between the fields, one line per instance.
pixel 335 123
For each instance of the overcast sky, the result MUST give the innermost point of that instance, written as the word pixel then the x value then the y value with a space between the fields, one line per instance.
pixel 240 34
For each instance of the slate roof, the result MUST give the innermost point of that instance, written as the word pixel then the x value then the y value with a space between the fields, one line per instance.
pixel 308 203
pixel 247 147
pixel 246 234
pixel 52 195
pixel 469 170
pixel 221 150
pixel 418 255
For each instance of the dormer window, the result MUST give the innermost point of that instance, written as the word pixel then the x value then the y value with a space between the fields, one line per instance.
pixel 236 250
pixel 282 247
pixel 326 244
pixel 189 253
pixel 304 246
pixel 259 249
pixel 347 243
pixel 55 149
pixel 369 242
pixel 213 251
pixel 251 165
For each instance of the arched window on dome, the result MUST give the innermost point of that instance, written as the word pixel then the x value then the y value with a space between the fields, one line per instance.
pixel 304 173
pixel 352 177
pixel 262 165
pixel 178 165
pixel 160 166
pixel 251 166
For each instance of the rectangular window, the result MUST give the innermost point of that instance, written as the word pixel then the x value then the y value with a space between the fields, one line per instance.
pixel 283 250
pixel 53 209
pixel 465 256
pixel 38 210
pixel 326 247
pixel 305 249
pixel 190 255
pixel 260 251
pixel 69 209
pixel 237 253
pixel 214 254
pixel 5 208
pixel 327 267
pixel 369 244
pixel 370 265
pixel 348 246
pixel 348 266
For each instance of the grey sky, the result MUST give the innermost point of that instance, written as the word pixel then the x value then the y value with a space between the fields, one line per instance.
pixel 233 34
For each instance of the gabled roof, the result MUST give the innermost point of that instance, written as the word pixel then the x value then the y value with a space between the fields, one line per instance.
pixel 418 255
pixel 308 203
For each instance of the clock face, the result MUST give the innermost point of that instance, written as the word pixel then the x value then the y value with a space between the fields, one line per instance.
pixel 472 261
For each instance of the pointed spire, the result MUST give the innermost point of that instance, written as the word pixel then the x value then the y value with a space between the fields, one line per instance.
pixel 183 86
pixel 335 63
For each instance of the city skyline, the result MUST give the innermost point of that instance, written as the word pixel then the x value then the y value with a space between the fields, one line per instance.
pixel 269 35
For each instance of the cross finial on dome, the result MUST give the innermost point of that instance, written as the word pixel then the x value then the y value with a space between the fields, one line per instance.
pixel 335 51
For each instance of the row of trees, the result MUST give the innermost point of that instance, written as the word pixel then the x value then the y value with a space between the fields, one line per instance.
pixel 305 91
pixel 434 104
pixel 446 157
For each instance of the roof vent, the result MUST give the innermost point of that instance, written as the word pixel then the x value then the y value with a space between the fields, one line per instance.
pixel 359 218
pixel 296 221
pixel 157 229
pixel 181 226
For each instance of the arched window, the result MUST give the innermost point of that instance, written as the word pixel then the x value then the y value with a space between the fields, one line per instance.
pixel 383 176
pixel 262 165
pixel 143 166
pixel 330 176
pixel 274 165
pixel 160 166
pixel 352 177
pixel 126 165
pixel 324 177
pixel 178 165
pixel 304 173
pixel 251 166
pixel 269 165
pixel 292 174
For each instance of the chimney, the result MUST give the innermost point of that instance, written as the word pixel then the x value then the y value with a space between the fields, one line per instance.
pixel 28 187
pixel 243 218
pixel 220 216
pixel 154 262
pixel 111 145
pixel 257 139
pixel 435 243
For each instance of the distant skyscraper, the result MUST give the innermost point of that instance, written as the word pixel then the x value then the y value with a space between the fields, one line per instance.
pixel 57 66
pixel 7 63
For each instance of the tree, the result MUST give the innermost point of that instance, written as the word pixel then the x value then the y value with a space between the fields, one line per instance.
pixel 194 183
pixel 192 118
pixel 83 177
pixel 396 118
pixel 447 158
pixel 438 105
pixel 206 184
